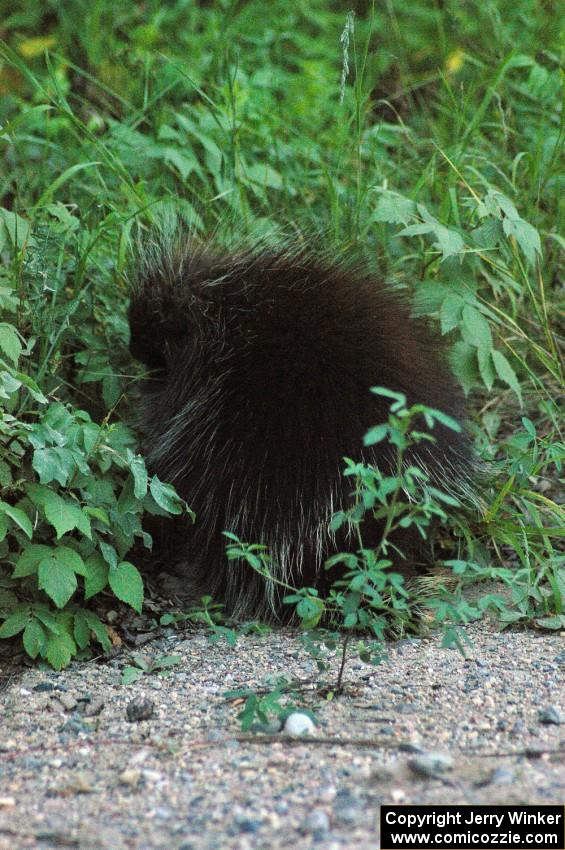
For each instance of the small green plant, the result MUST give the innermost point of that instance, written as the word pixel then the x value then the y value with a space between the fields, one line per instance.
pixel 367 596
pixel 144 665
pixel 275 701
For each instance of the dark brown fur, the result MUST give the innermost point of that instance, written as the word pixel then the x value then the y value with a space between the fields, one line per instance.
pixel 263 363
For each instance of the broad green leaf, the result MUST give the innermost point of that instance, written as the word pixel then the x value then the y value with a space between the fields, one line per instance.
pixel 97 513
pixel 375 435
pixel 54 464
pixel 475 328
pixel 15 623
pixel 18 516
pixel 486 368
pixel 8 384
pixel 506 373
pixel 65 516
pixel 28 562
pixel 131 674
pixel 81 630
pixel 463 360
pixel 90 436
pixel 393 208
pixel 450 311
pixel 56 575
pixel 10 342
pixel 525 235
pixel 557 621
pixel 127 584
pixel 166 496
pixel 50 620
pixel 15 226
pixel 3 527
pixel 449 242
pixel 99 630
pixel 139 473
pixel 34 638
pixel 109 554
pixel 96 575
pixel 59 650
pixel 32 387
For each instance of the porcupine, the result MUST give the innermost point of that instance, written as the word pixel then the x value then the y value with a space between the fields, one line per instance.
pixel 261 362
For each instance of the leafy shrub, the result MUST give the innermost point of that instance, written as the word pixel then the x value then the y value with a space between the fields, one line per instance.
pixel 74 492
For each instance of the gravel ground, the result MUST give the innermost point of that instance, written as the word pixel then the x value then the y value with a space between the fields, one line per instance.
pixel 425 726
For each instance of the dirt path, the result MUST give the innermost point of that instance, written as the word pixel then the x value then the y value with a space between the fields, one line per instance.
pixel 74 772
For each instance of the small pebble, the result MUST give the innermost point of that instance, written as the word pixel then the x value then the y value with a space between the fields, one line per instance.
pixel 298 724
pixel 68 702
pixel 501 776
pixel 318 823
pixel 430 764
pixel 130 776
pixel 551 715
pixel 140 709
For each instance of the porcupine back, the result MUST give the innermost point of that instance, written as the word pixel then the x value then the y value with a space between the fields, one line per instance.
pixel 262 366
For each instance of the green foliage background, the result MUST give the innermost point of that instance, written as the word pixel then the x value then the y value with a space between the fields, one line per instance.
pixel 430 135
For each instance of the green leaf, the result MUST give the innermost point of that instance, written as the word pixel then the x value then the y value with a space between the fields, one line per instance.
pixel 139 473
pixel 486 368
pixel 506 373
pixel 81 630
pixel 33 388
pixel 10 342
pixel 98 629
pixel 15 623
pixel 168 661
pixel 34 638
pixel 463 360
pixel 131 674
pixel 525 235
pixel 59 650
pixel 3 527
pixel 50 620
pixel 29 560
pixel 127 584
pixel 166 496
pixel 375 435
pixel 63 515
pixel 15 226
pixel 54 464
pixel 393 208
pixel 109 554
pixel 96 575
pixel 56 575
pixel 475 328
pixel 555 622
pixel 449 242
pixel 97 513
pixel 90 436
pixel 20 518
pixel 450 311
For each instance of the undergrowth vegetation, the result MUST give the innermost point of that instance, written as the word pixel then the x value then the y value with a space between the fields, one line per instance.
pixel 429 136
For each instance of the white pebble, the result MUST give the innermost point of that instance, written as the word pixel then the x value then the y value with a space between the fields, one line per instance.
pixel 298 724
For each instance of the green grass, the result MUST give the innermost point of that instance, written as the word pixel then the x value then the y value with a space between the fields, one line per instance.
pixel 439 155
